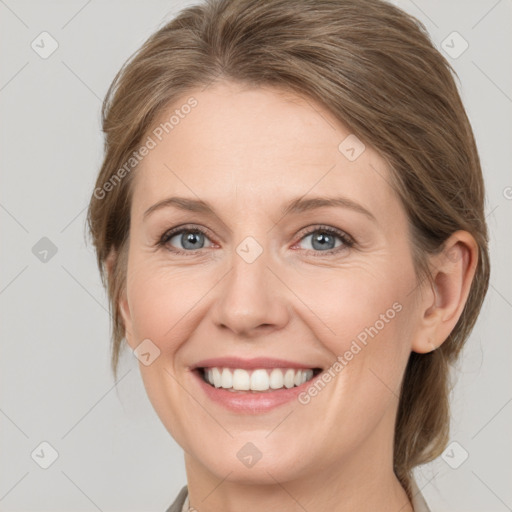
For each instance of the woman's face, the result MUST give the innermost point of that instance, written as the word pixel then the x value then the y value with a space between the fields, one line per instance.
pixel 267 281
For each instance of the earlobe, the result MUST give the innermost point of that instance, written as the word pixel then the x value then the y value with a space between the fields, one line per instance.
pixel 109 262
pixel 124 308
pixel 452 274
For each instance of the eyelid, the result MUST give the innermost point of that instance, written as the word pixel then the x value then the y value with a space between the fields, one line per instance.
pixel 347 240
pixel 330 229
pixel 170 233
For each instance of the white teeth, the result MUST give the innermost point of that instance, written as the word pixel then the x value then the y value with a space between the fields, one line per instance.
pixel 216 377
pixel 260 380
pixel 276 379
pixel 256 380
pixel 226 379
pixel 241 380
pixel 289 378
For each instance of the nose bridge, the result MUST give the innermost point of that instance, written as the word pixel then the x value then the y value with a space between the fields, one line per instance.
pixel 251 296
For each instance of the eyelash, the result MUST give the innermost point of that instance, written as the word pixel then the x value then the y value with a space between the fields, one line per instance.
pixel 347 240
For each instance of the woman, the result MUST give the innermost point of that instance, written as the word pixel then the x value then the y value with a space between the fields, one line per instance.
pixel 290 224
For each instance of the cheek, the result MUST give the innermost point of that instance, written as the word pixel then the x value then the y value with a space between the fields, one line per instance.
pixel 160 301
pixel 357 304
pixel 364 315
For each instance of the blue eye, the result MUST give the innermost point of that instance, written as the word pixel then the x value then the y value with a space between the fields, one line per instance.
pixel 193 240
pixel 324 240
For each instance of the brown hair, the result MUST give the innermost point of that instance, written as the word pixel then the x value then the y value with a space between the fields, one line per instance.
pixel 371 65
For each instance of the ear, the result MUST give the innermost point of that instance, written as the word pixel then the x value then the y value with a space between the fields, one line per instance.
pixel 110 262
pixel 124 308
pixel 452 272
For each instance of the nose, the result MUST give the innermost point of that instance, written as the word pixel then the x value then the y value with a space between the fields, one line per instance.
pixel 251 298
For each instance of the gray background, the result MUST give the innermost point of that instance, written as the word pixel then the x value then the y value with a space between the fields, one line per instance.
pixel 56 385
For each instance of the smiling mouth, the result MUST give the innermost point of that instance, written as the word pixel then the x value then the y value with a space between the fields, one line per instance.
pixel 258 380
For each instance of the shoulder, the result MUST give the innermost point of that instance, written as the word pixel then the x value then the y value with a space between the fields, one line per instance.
pixel 418 501
pixel 177 505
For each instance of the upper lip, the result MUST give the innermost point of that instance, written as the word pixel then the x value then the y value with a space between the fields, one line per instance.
pixel 257 362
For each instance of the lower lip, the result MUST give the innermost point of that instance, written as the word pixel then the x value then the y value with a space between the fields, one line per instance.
pixel 248 402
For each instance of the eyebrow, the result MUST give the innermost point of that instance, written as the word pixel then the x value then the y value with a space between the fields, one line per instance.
pixel 298 205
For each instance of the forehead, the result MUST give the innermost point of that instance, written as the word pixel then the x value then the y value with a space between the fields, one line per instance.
pixel 256 144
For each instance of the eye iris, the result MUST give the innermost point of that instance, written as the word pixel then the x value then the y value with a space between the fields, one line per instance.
pixel 324 239
pixel 191 237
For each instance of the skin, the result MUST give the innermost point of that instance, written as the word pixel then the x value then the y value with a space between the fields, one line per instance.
pixel 248 151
